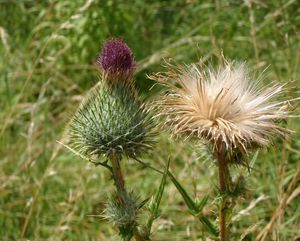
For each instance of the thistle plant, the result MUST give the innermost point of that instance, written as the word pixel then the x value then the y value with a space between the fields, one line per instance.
pixel 228 109
pixel 112 123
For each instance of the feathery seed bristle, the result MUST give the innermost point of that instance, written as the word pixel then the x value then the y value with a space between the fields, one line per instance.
pixel 225 107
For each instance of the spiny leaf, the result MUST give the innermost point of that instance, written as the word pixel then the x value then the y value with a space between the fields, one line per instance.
pixel 157 199
pixel 195 208
pixel 160 191
pixel 188 200
pixel 143 203
pixel 209 226
pixel 200 204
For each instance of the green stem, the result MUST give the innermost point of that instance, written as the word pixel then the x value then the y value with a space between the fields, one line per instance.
pixel 126 235
pixel 222 182
pixel 117 173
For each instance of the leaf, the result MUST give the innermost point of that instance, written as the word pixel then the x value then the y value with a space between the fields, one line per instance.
pixel 194 207
pixel 160 191
pixel 143 203
pixel 154 205
pixel 200 204
pixel 188 200
pixel 209 226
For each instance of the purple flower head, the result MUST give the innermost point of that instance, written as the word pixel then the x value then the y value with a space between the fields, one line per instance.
pixel 116 57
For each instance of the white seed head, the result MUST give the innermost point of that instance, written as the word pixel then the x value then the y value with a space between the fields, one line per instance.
pixel 224 106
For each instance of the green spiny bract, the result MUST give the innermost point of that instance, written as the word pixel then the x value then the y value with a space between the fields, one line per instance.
pixel 122 209
pixel 111 120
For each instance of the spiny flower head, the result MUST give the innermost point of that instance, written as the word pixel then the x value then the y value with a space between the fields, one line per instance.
pixel 111 120
pixel 224 106
pixel 116 59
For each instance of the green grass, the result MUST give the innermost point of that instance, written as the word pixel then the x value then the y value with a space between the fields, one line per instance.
pixel 47 49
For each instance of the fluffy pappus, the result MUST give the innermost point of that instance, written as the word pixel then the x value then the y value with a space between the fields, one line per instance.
pixel 225 106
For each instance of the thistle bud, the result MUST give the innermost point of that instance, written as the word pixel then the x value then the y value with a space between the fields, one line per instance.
pixel 122 210
pixel 111 120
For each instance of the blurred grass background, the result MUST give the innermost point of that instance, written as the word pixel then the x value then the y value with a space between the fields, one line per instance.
pixel 47 49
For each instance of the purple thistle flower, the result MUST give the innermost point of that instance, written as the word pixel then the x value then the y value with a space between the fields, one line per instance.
pixel 116 57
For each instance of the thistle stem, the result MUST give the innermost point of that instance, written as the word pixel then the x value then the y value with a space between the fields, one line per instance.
pixel 222 182
pixel 121 190
pixel 117 173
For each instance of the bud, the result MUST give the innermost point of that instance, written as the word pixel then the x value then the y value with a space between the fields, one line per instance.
pixel 122 209
pixel 111 121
